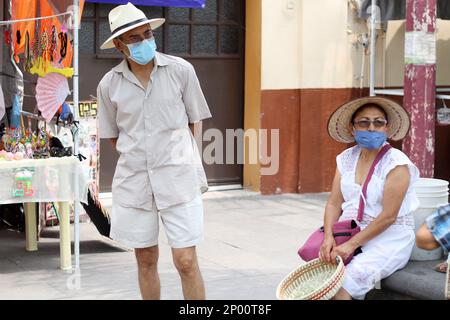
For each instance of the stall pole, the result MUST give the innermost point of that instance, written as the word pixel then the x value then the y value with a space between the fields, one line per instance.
pixel 373 42
pixel 76 26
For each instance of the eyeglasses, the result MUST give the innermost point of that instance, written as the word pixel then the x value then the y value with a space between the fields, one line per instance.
pixel 378 123
pixel 138 38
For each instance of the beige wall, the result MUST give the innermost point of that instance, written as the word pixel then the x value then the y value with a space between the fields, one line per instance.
pixel 308 46
pixel 395 41
pixel 281 39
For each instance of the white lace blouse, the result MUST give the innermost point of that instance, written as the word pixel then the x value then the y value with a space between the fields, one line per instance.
pixel 351 191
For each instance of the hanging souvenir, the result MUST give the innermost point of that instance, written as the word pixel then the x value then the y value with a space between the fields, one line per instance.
pixel 63 50
pixel 43 68
pixel 45 46
pixel 7 38
pixel 53 43
pixel 51 92
pixel 28 63
pixel 18 37
pixel 24 10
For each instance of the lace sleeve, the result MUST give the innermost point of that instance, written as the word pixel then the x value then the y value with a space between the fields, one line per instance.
pixel 345 161
pixel 397 158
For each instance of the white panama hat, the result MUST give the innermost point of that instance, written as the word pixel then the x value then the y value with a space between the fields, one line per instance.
pixel 126 17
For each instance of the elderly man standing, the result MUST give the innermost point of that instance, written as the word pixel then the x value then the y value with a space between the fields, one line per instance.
pixel 149 106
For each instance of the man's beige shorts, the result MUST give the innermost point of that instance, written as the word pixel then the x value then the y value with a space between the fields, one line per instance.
pixel 138 228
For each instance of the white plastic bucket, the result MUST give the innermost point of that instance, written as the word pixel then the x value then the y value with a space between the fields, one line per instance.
pixel 431 185
pixel 433 200
pixel 432 194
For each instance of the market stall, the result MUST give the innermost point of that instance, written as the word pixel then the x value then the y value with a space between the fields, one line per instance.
pixel 42 36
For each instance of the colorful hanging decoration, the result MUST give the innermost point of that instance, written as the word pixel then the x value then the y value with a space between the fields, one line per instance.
pixel 53 43
pixel 51 91
pixel 63 45
pixel 7 37
pixel 42 68
pixel 22 9
pixel 28 56
pixel 49 38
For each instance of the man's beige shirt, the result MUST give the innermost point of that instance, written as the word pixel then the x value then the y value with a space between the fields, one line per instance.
pixel 158 153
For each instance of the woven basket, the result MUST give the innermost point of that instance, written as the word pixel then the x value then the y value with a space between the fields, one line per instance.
pixel 315 280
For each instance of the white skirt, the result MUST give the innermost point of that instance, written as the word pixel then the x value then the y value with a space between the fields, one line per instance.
pixel 380 257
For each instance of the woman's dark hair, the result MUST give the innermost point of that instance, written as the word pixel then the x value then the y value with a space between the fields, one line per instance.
pixel 367 106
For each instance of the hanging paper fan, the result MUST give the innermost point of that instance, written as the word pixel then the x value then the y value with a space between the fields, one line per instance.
pixel 51 92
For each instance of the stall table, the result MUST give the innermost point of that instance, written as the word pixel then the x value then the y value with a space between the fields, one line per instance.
pixel 31 181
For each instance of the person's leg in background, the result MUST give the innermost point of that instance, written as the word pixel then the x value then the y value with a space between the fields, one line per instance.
pixel 425 239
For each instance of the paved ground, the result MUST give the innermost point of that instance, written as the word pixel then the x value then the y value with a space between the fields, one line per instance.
pixel 251 243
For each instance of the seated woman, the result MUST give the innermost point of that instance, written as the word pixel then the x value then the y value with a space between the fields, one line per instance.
pixel 435 232
pixel 387 227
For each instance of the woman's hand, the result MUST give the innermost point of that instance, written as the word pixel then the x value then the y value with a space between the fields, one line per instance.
pixel 344 251
pixel 327 247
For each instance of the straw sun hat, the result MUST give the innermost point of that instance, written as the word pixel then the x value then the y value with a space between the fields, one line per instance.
pixel 126 17
pixel 398 119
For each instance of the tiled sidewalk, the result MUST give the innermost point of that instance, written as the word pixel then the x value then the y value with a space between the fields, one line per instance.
pixel 251 243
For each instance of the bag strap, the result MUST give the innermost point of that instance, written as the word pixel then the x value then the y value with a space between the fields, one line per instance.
pixel 379 156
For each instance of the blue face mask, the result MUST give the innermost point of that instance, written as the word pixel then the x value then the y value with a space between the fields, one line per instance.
pixel 370 139
pixel 142 52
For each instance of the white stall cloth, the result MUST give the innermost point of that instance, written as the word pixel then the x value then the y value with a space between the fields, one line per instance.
pixel 51 180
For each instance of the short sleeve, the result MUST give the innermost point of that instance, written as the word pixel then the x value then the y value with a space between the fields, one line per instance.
pixel 339 163
pixel 397 158
pixel 196 106
pixel 346 159
pixel 106 113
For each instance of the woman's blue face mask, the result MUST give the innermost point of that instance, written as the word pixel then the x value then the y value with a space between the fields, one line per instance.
pixel 370 139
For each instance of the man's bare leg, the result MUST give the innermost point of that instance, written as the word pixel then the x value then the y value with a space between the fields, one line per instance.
pixel 147 260
pixel 186 262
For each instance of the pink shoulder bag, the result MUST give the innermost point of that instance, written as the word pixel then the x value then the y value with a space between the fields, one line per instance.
pixel 342 230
